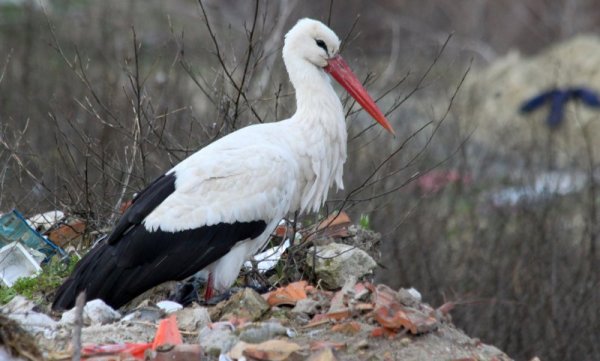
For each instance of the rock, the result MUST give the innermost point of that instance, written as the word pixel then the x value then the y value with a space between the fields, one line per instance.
pixel 16 342
pixel 246 304
pixel 95 312
pixel 307 306
pixel 22 311
pixel 272 350
pixel 192 318
pixel 145 313
pixel 216 341
pixel 18 304
pixel 35 322
pixel 262 331
pixel 336 263
pixel 409 297
pixel 117 333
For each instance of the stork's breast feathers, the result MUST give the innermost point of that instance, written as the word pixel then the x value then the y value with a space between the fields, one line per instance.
pixel 226 186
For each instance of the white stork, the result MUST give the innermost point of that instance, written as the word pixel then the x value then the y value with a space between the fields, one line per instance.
pixel 218 207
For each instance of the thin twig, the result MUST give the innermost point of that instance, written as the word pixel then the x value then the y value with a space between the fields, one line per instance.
pixel 79 303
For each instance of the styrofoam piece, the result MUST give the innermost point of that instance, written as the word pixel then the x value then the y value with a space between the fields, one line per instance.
pixel 169 306
pixel 44 221
pixel 16 262
pixel 268 259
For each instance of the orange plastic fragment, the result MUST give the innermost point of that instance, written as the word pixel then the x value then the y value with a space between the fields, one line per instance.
pixel 287 295
pixel 167 333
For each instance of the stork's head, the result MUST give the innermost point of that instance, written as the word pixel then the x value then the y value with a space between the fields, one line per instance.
pixel 313 42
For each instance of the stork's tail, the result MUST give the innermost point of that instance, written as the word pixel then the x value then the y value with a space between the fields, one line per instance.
pixel 95 273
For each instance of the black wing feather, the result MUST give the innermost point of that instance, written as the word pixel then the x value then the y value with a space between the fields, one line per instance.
pixel 133 259
pixel 143 204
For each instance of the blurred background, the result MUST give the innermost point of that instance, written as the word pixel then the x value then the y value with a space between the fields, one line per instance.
pixel 478 203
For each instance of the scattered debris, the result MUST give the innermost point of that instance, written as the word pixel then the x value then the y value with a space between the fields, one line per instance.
pixel 272 350
pixel 183 352
pixel 393 315
pixel 169 306
pixel 267 260
pixel 262 331
pixel 67 232
pixel 167 336
pixel 288 295
pixel 217 339
pixel 335 226
pixel 16 262
pixel 247 305
pixel 192 319
pixel 14 228
pixel 42 222
pixel 15 342
pixel 336 262
pixel 95 312
pixel 307 306
pixel 299 321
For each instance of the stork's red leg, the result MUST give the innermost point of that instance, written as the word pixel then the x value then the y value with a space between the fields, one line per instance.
pixel 208 290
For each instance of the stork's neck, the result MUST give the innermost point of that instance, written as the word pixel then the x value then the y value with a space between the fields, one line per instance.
pixel 319 121
pixel 314 93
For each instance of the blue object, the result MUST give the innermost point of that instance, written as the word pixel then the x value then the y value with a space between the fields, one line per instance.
pixel 14 227
pixel 557 99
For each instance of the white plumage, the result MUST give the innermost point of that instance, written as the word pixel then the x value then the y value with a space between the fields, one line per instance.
pixel 249 179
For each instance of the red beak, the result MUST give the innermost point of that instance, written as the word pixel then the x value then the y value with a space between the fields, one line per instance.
pixel 342 73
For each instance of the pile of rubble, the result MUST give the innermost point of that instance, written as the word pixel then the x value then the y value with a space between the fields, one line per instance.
pixel 341 317
pixel 297 322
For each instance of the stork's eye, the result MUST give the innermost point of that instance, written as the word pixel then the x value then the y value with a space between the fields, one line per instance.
pixel 321 44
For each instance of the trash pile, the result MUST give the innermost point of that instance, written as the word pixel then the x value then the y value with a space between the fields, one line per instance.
pixel 340 316
pixel 361 321
pixel 23 248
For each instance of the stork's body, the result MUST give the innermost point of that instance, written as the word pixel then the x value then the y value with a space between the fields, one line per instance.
pixel 218 207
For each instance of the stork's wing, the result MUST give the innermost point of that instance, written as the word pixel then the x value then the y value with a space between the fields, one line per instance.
pixel 142 204
pixel 186 220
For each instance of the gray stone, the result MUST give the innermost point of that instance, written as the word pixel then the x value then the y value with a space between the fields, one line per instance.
pixel 262 331
pixel 18 304
pixel 192 318
pixel 216 340
pixel 336 263
pixel 307 306
pixel 409 297
pixel 95 312
pixel 35 322
pixel 245 304
pixel 22 311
